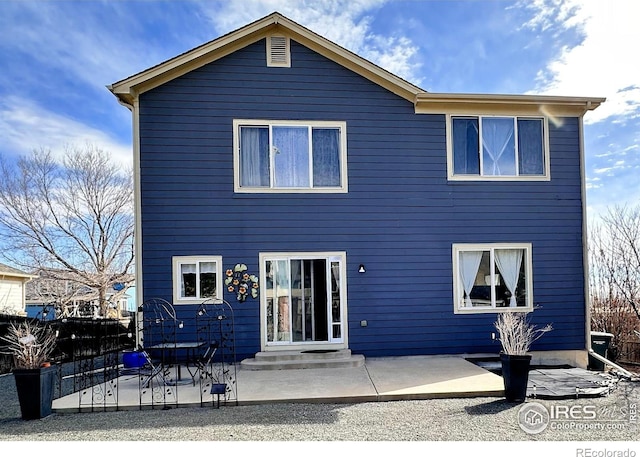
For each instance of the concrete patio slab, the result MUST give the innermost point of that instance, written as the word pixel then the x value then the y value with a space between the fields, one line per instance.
pixel 378 379
pixel 431 377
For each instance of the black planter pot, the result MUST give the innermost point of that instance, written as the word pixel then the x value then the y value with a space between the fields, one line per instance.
pixel 515 373
pixel 35 391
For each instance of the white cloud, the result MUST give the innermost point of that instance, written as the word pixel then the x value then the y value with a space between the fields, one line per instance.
pixel 602 170
pixel 345 22
pixel 25 126
pixel 72 42
pixel 604 63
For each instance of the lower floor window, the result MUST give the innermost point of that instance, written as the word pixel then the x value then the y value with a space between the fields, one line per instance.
pixel 492 276
pixel 196 278
pixel 303 298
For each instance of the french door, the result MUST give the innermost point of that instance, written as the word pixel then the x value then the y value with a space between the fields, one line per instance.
pixel 303 299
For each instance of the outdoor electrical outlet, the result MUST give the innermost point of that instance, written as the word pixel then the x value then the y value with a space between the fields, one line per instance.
pixel 363 323
pixel 493 336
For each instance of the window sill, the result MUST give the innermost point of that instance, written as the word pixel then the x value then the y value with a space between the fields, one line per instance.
pixel 483 310
pixel 497 178
pixel 291 190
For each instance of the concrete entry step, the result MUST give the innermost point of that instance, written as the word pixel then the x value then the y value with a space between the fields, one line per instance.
pixel 283 360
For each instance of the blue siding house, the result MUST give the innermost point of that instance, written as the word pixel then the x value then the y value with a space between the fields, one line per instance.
pixel 335 205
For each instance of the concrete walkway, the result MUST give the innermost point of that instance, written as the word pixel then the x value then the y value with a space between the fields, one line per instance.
pixel 379 379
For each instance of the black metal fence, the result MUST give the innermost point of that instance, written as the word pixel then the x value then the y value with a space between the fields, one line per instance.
pixel 186 358
pixel 78 338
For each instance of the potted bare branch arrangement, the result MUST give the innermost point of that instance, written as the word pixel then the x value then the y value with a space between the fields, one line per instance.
pixel 516 334
pixel 31 345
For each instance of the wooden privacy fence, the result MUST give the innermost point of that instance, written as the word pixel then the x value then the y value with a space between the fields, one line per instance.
pixel 630 351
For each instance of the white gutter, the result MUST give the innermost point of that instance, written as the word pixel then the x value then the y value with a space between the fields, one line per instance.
pixel 616 367
pixel 137 231
pixel 585 235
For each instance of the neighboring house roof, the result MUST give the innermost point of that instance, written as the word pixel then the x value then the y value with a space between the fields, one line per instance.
pixel 57 285
pixel 7 271
pixel 127 90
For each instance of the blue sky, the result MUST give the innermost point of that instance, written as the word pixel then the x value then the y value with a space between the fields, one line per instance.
pixel 58 56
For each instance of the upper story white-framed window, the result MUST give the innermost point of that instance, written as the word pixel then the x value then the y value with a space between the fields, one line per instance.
pixel 492 277
pixel 497 148
pixel 290 156
pixel 196 278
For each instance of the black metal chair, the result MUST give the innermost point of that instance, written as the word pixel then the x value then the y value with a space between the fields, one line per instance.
pixel 204 362
pixel 217 364
pixel 160 326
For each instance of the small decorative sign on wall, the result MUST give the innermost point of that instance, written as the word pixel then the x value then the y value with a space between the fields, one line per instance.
pixel 242 283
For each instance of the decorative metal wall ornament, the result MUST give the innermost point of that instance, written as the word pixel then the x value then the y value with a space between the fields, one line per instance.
pixel 242 283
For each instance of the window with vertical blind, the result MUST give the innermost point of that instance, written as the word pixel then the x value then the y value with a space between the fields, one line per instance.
pixel 290 156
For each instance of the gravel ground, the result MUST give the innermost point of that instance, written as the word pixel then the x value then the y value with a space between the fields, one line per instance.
pixel 468 419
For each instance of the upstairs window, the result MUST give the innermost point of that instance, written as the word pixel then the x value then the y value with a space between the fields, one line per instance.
pixel 292 156
pixel 498 147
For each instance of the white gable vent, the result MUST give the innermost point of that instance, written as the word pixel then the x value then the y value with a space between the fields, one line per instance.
pixel 278 54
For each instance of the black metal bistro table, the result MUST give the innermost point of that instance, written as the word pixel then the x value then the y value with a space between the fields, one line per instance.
pixel 169 351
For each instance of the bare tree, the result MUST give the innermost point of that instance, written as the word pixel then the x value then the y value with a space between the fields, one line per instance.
pixel 614 265
pixel 71 217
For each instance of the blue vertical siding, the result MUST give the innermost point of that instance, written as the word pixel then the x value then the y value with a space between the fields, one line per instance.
pixel 399 218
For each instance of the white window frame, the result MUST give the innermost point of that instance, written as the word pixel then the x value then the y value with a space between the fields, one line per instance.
pixel 458 289
pixel 341 125
pixel 330 256
pixel 451 176
pixel 178 261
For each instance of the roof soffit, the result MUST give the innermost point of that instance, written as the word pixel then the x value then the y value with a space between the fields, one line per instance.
pixel 532 105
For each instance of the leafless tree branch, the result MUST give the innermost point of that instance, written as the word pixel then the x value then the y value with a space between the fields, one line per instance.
pixel 71 216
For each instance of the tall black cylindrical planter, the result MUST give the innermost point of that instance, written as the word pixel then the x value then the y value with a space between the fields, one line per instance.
pixel 35 391
pixel 515 373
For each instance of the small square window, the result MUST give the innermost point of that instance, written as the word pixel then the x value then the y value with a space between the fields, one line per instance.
pixel 196 278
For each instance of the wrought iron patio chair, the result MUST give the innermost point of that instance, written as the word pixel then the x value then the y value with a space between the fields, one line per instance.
pixel 160 326
pixel 204 362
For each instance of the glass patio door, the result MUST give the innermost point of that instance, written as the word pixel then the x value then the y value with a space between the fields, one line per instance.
pixel 303 302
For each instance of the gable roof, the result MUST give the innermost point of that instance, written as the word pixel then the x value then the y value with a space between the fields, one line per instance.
pixel 128 89
pixel 6 270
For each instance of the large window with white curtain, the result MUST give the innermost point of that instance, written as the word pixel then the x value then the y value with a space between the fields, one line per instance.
pixel 196 278
pixel 492 277
pixel 290 156
pixel 498 147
